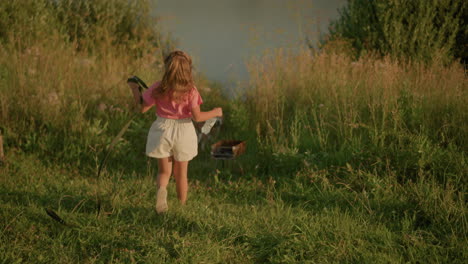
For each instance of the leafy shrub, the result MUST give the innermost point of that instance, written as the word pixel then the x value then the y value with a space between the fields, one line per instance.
pixel 91 25
pixel 419 29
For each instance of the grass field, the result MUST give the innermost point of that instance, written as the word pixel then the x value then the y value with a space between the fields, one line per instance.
pixel 309 216
pixel 347 161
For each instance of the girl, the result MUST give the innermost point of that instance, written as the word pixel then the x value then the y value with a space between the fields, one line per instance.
pixel 172 139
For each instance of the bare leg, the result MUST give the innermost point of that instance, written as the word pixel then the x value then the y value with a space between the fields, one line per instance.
pixel 164 173
pixel 180 175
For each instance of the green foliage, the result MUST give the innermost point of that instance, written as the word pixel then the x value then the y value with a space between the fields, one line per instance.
pixel 419 30
pixel 121 22
pixel 90 25
pixel 26 19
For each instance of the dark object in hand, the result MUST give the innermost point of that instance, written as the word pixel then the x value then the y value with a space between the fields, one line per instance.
pixel 140 82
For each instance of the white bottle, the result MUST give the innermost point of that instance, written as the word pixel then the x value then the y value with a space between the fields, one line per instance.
pixel 206 128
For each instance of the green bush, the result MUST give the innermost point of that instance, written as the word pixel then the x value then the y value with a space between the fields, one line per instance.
pixel 419 29
pixel 90 25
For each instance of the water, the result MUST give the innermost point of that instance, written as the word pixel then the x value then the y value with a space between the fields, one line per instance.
pixel 222 35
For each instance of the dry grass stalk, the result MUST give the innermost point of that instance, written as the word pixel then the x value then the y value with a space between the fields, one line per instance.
pixel 2 154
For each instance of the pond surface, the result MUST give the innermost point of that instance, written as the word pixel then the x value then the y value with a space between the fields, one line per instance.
pixel 222 35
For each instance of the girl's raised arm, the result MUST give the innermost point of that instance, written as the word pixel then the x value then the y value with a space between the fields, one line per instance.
pixel 199 116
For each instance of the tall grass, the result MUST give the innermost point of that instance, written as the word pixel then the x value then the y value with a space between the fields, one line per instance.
pixel 63 71
pixel 373 128
pixel 371 113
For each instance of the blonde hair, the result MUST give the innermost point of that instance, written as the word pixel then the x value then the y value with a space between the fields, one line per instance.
pixel 177 80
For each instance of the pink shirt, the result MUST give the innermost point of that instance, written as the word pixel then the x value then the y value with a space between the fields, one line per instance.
pixel 173 110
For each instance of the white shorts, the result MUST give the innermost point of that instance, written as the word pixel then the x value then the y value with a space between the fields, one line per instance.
pixel 172 137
